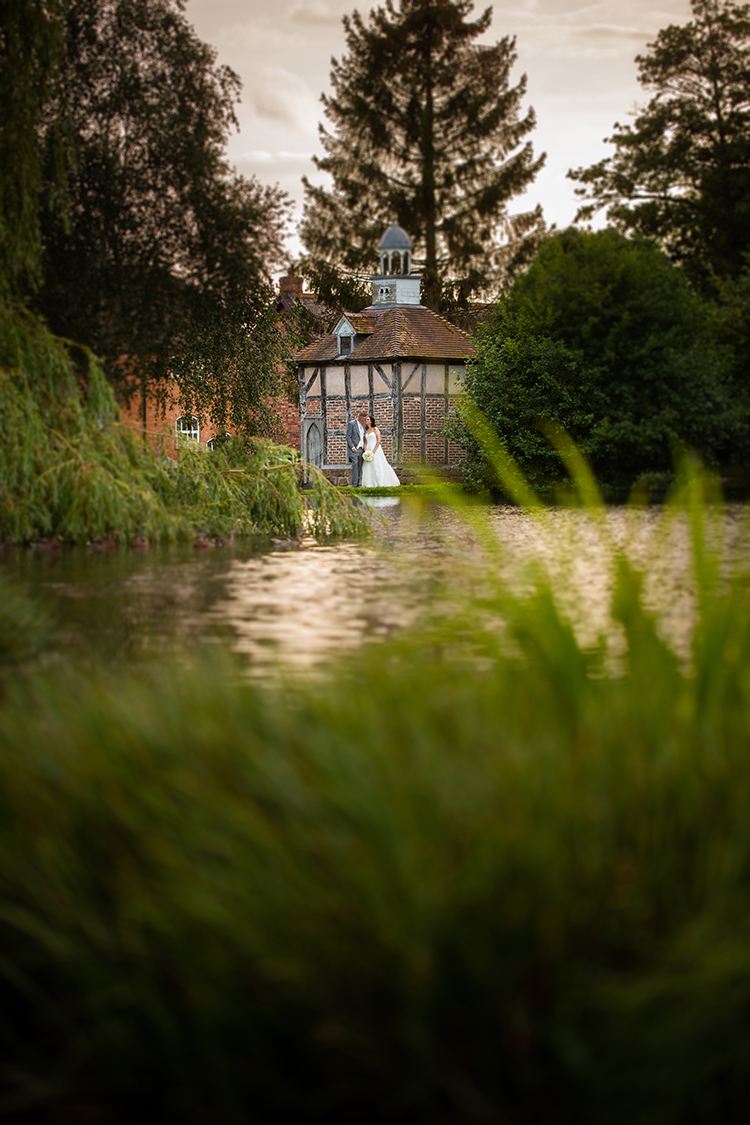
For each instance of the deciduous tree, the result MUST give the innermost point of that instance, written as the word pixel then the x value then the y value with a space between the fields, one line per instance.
pixel 31 45
pixel 681 171
pixel 426 129
pixel 163 263
pixel 604 336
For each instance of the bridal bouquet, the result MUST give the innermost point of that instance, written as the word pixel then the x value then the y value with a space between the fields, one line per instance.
pixel 368 456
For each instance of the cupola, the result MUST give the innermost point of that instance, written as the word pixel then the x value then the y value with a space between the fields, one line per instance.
pixel 395 284
pixel 395 252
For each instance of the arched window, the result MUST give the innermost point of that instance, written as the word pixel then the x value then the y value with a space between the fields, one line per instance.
pixel 188 426
pixel 219 440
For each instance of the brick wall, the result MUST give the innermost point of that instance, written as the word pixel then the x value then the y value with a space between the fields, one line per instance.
pixel 290 423
pixel 434 447
pixel 434 414
pixel 412 413
pixel 161 419
pixel 337 451
pixel 412 447
pixel 336 414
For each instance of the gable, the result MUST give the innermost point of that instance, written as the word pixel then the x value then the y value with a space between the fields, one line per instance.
pixel 344 328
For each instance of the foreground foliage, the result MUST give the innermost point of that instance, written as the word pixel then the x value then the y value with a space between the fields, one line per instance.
pixel 429 889
pixel 69 468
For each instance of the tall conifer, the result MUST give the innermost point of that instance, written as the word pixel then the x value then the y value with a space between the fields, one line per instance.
pixel 426 130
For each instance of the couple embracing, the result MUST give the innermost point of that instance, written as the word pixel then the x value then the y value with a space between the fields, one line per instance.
pixel 369 465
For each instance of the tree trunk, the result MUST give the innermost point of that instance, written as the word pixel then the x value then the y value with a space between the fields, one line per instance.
pixel 431 275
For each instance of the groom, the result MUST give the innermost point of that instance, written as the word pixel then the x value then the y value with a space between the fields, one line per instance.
pixel 355 441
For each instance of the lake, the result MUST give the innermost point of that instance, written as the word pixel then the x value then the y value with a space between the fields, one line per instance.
pixel 281 606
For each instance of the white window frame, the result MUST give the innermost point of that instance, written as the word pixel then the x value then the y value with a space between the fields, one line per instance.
pixel 187 426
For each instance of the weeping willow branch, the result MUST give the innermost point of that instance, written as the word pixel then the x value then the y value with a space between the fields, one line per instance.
pixel 55 401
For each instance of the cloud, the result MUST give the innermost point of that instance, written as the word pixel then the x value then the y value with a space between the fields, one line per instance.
pixel 283 156
pixel 252 35
pixel 561 38
pixel 278 94
pixel 611 35
pixel 315 12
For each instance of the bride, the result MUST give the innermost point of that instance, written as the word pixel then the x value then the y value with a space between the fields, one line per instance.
pixel 376 472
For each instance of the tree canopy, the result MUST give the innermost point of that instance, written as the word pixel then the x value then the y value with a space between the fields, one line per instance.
pixel 426 130
pixel 68 467
pixel 162 262
pixel 604 337
pixel 681 171
pixel 31 44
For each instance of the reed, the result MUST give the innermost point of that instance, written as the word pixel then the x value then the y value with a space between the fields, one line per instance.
pixel 471 876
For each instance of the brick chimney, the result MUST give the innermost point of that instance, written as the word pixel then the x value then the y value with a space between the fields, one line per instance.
pixel 290 286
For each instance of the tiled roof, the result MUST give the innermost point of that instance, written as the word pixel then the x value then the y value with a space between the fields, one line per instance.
pixel 288 301
pixel 396 331
pixel 363 323
pixel 314 306
pixel 323 350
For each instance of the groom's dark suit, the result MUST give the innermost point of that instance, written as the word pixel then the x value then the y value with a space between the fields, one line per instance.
pixel 355 443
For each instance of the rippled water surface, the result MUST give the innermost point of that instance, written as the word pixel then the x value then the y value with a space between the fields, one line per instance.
pixel 275 603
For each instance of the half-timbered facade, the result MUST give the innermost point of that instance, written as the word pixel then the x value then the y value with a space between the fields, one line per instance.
pixel 396 359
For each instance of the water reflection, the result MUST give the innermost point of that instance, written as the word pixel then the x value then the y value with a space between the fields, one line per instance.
pixel 296 607
pixel 300 606
pixel 382 502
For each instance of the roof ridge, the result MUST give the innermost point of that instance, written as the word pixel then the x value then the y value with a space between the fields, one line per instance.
pixel 455 327
pixel 397 330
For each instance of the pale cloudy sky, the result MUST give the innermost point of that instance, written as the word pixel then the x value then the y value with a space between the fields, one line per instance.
pixel 578 56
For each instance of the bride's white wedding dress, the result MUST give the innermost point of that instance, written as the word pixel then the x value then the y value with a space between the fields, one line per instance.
pixel 377 473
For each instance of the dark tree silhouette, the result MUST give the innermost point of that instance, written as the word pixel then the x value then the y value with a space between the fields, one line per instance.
pixel 681 171
pixel 162 263
pixel 428 131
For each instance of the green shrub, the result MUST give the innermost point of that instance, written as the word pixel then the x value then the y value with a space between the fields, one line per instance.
pixel 603 336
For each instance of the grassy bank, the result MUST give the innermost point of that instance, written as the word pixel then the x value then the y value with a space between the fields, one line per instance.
pixel 469 877
pixel 441 490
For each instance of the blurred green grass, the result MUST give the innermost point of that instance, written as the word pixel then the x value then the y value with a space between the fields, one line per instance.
pixel 467 877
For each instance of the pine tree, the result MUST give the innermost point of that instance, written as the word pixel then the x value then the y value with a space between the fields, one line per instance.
pixel 426 130
pixel 681 171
